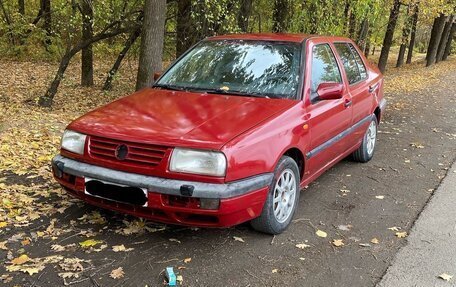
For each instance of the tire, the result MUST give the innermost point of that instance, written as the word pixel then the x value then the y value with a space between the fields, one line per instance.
pixel 276 216
pixel 367 148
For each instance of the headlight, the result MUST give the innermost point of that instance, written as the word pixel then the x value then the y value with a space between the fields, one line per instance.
pixel 73 141
pixel 198 162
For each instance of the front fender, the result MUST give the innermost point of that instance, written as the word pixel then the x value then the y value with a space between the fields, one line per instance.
pixel 258 150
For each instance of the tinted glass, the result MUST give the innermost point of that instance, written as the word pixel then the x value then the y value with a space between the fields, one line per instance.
pixel 251 68
pixel 359 62
pixel 324 68
pixel 348 60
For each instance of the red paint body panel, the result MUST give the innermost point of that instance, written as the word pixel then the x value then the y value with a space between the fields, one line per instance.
pixel 253 133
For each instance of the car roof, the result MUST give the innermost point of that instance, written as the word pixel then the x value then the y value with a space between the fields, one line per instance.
pixel 283 37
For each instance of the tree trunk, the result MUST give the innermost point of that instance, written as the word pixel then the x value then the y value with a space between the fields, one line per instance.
pixel 47 99
pixel 185 31
pixel 437 30
pixel 447 51
pixel 404 40
pixel 130 41
pixel 152 36
pixel 352 25
pixel 388 40
pixel 46 8
pixel 87 34
pixel 280 16
pixel 244 15
pixel 412 34
pixel 8 23
pixel 444 39
pixel 21 4
pixel 362 35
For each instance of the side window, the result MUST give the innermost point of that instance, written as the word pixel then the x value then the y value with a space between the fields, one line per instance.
pixel 324 68
pixel 359 62
pixel 350 65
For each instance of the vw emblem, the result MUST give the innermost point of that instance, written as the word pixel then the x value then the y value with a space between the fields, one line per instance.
pixel 121 152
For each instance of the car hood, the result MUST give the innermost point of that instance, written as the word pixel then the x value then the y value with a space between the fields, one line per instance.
pixel 179 118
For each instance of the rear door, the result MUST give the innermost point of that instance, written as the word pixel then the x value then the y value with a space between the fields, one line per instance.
pixel 327 119
pixel 358 87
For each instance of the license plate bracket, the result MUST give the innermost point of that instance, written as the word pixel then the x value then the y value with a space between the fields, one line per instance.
pixel 116 192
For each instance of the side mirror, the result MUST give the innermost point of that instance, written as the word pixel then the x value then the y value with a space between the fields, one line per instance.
pixel 157 75
pixel 330 91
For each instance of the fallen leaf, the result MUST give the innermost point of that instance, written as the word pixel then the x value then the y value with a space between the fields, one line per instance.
pixel 338 242
pixel 302 245
pixel 445 276
pixel 380 197
pixel 364 245
pixel 238 239
pixel 302 258
pixel 3 224
pixel 117 273
pixel 375 241
pixel 20 260
pixel 180 279
pixel 275 270
pixel 57 247
pixel 119 248
pixel 187 260
pixel 401 234
pixel 3 245
pixel 174 240
pixel 394 228
pixel 344 227
pixel 321 233
pixel 90 243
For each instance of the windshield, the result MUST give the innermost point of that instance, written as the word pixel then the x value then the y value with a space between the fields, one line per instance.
pixel 250 68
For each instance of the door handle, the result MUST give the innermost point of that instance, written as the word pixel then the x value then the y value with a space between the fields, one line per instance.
pixel 347 103
pixel 372 88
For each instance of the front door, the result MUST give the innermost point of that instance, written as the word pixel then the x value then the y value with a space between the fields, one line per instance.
pixel 328 119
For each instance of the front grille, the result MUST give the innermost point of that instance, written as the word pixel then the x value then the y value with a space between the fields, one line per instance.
pixel 138 154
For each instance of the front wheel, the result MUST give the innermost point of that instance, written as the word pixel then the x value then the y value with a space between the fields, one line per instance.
pixel 366 151
pixel 282 200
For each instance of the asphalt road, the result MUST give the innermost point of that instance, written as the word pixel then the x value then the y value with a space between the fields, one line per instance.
pixel 416 146
pixel 428 259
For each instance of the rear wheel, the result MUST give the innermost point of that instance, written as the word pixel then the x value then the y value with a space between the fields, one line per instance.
pixel 282 200
pixel 366 151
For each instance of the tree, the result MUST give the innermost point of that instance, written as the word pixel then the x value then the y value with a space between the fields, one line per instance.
pixel 21 5
pixel 87 34
pixel 436 34
pixel 152 36
pixel 185 31
pixel 130 41
pixel 446 53
pixel 111 30
pixel 244 14
pixel 404 40
pixel 444 39
pixel 412 34
pixel 280 16
pixel 388 39
pixel 46 14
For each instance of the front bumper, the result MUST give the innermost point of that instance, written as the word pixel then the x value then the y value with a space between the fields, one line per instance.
pixel 240 201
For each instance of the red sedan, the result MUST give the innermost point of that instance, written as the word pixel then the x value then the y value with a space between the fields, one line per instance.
pixel 229 133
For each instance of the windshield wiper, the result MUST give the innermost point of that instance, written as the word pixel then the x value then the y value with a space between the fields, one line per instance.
pixel 234 93
pixel 170 87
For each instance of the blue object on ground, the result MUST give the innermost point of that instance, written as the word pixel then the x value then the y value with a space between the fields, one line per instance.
pixel 170 276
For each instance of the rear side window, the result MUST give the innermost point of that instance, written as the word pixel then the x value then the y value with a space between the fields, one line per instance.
pixel 359 62
pixel 324 68
pixel 350 63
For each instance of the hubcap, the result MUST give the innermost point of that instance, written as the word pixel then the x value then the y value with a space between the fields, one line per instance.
pixel 284 195
pixel 371 137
